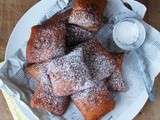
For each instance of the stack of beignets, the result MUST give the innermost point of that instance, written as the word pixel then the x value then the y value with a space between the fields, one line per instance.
pixel 47 41
pixel 66 61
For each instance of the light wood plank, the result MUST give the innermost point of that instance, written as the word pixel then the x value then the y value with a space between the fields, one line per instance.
pixel 4 111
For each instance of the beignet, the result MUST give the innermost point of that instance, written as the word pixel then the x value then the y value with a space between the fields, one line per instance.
pixel 47 41
pixel 43 97
pixel 37 71
pixel 69 74
pixel 95 102
pixel 99 62
pixel 76 35
pixel 88 13
pixel 116 82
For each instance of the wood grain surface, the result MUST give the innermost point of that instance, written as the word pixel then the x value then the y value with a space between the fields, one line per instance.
pixel 12 10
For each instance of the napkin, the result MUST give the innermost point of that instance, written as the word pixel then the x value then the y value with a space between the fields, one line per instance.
pixel 148 52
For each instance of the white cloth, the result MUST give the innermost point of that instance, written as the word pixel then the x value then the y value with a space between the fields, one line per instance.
pixel 149 52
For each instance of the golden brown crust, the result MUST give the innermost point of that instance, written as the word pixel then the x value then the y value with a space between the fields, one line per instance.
pixel 43 97
pixel 80 73
pixel 69 74
pixel 99 62
pixel 116 82
pixel 37 71
pixel 104 65
pixel 85 19
pixel 94 102
pixel 88 14
pixel 45 37
pixel 47 41
pixel 97 5
pixel 118 59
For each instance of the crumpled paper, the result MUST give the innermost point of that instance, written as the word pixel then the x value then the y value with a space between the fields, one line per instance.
pixel 140 67
pixel 116 11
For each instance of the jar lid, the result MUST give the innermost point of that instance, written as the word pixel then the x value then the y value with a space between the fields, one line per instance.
pixel 129 34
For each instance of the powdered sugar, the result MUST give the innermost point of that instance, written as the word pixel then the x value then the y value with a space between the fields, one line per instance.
pixel 46 42
pixel 100 67
pixel 116 83
pixel 81 73
pixel 87 14
pixel 69 74
pixel 89 94
pixel 38 71
pixel 76 35
pixel 100 63
pixel 94 102
pixel 84 19
pixel 131 31
pixel 44 98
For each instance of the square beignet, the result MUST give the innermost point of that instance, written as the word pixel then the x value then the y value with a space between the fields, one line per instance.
pixel 76 35
pixel 115 81
pixel 88 13
pixel 99 62
pixel 43 97
pixel 47 41
pixel 94 102
pixel 69 74
pixel 37 71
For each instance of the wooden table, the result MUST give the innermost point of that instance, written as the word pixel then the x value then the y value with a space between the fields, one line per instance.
pixel 12 10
